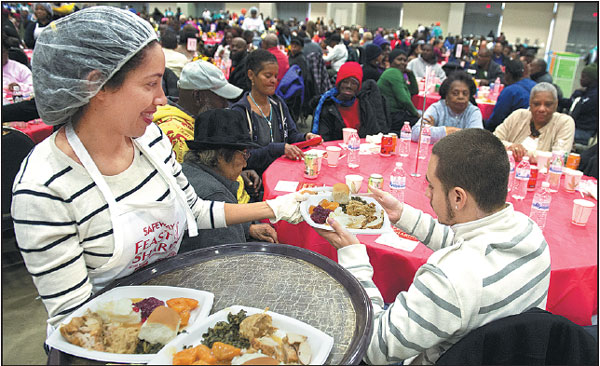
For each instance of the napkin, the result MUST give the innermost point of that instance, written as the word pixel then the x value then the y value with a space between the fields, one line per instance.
pixel 374 139
pixel 286 186
pixel 588 188
pixel 391 239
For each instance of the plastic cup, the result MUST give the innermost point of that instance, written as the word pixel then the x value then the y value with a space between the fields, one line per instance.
pixel 354 181
pixel 347 131
pixel 572 179
pixel 320 154
pixel 581 211
pixel 333 155
pixel 543 160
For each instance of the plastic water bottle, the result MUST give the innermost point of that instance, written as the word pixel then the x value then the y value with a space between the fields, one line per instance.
pixel 496 89
pixel 16 94
pixel 425 140
pixel 521 178
pixel 398 182
pixel 555 170
pixel 541 205
pixel 511 174
pixel 353 151
pixel 405 135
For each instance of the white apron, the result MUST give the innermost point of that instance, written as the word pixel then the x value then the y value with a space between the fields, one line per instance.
pixel 143 232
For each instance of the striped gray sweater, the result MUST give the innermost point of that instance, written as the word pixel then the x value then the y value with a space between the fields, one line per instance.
pixel 62 222
pixel 480 271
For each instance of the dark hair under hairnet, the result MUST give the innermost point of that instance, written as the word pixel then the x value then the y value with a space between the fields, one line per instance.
pixel 99 38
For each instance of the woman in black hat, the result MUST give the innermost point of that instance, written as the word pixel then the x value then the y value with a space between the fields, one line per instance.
pixel 216 158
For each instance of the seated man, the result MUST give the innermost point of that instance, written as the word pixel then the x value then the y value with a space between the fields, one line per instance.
pixel 538 128
pixel 202 87
pixel 239 70
pixel 583 105
pixel 269 43
pixel 351 103
pixel 454 111
pixel 174 60
pixel 471 278
pixel 337 53
pixel 372 67
pixel 485 69
pixel 538 73
pixel 212 166
pixel 514 96
pixel 427 58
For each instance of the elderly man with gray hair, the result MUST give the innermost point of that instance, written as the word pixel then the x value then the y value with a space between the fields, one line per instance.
pixel 538 128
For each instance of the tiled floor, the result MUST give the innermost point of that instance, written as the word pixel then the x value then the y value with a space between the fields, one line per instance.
pixel 23 314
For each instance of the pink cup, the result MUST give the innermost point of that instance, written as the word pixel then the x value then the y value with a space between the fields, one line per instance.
pixel 581 211
pixel 333 155
pixel 346 133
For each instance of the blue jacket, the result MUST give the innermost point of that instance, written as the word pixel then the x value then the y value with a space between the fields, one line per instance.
pixel 513 97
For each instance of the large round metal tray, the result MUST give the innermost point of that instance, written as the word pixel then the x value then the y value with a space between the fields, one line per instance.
pixel 289 280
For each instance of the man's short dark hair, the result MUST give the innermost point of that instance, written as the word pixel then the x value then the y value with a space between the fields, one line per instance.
pixel 335 37
pixel 297 40
pixel 514 68
pixel 168 39
pixel 475 160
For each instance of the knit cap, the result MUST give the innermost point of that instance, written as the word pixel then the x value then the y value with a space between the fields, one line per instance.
pixel 372 51
pixel 350 69
pixel 395 53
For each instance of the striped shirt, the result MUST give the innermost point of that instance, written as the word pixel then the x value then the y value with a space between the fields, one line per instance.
pixel 62 222
pixel 480 271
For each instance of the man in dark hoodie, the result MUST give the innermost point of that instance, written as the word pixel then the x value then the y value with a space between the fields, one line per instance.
pixel 372 66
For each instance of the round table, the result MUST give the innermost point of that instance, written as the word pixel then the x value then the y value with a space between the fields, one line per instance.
pixel 418 99
pixel 573 289
pixel 291 281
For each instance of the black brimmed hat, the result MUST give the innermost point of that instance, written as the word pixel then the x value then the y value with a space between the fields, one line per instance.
pixel 221 128
pixel 298 41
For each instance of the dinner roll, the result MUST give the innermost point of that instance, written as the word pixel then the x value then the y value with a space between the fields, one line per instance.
pixel 341 193
pixel 161 326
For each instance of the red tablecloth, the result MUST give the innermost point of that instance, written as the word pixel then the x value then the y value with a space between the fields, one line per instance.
pixel 418 99
pixel 36 129
pixel 573 289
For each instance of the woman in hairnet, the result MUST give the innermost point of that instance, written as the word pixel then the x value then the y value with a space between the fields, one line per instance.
pixel 104 195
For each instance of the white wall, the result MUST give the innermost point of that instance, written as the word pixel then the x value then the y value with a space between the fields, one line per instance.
pixel 562 27
pixel 527 20
pixel 318 10
pixel 237 7
pixel 455 19
pixel 425 14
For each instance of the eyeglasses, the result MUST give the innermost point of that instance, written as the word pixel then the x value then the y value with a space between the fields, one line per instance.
pixel 245 154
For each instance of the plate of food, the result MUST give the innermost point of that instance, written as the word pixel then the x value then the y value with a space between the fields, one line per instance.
pixel 131 323
pixel 242 335
pixel 358 214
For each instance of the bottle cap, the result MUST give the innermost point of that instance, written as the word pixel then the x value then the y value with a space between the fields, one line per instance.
pixel 509 152
pixel 398 164
pixel 545 184
pixel 526 157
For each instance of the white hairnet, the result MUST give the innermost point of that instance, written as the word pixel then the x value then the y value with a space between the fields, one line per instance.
pixel 98 38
